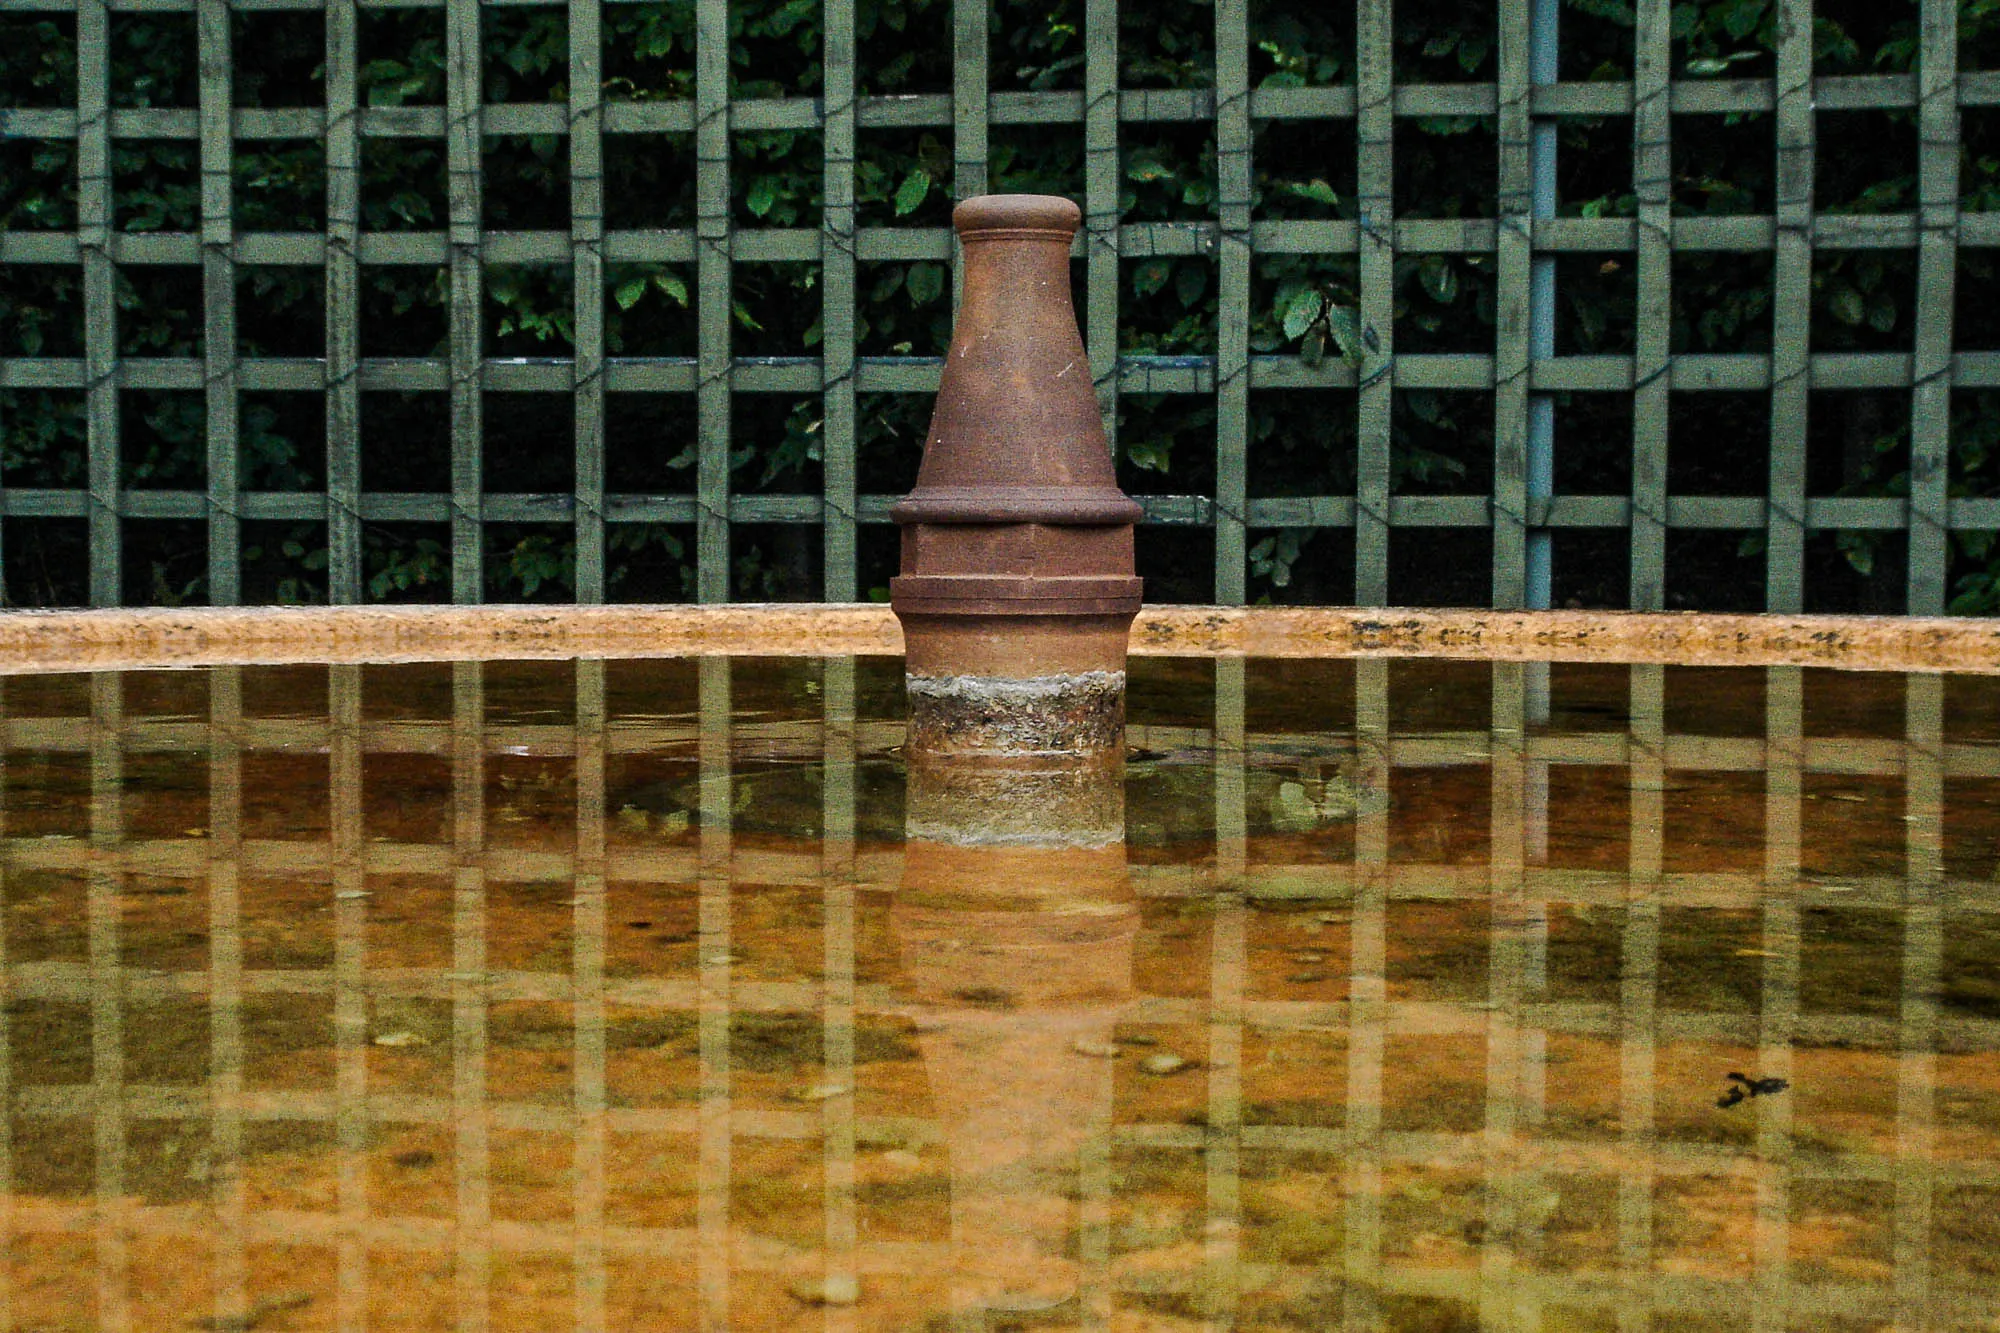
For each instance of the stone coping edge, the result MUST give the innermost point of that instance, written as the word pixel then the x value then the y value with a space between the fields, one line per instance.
pixel 46 641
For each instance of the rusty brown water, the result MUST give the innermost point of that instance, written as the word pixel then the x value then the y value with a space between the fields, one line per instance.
pixel 528 996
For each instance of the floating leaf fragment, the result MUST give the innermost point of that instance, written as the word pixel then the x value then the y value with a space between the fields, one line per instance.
pixel 834 1289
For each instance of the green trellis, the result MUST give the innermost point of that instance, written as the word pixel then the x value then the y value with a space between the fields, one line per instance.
pixel 1524 237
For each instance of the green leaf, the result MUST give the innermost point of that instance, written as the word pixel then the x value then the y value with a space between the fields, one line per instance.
pixel 1346 334
pixel 629 292
pixel 915 189
pixel 1303 311
pixel 673 286
pixel 1720 64
pixel 1882 313
pixel 1847 306
pixel 1316 190
pixel 1150 455
pixel 1859 548
pixel 1440 279
pixel 1147 165
pixel 1150 276
pixel 1313 350
pixel 763 194
pixel 925 283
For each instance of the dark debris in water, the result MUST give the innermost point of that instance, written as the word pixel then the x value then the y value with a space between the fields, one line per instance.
pixel 1742 1087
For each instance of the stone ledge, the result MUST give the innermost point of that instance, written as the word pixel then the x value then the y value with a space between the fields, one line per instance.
pixel 37 641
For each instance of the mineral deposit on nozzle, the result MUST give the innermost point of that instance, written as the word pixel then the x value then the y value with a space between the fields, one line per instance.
pixel 1074 714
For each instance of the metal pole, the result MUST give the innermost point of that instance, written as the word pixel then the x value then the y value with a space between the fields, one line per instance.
pixel 1541 305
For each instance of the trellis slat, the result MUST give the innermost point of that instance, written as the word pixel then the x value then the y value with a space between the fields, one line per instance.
pixel 1791 313
pixel 464 196
pixel 1374 127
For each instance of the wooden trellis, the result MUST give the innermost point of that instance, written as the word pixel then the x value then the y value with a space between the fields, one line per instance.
pixel 1520 369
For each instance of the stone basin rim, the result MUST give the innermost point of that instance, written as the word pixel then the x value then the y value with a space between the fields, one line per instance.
pixel 137 639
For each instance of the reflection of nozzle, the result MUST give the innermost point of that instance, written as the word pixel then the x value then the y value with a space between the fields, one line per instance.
pixel 1016 924
pixel 961 804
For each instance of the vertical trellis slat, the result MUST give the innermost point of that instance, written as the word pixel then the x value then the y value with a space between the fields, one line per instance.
pixel 586 230
pixel 837 300
pixel 344 571
pixel 1652 365
pixel 218 281
pixel 100 294
pixel 1937 271
pixel 1375 196
pixel 1100 205
pixel 1791 313
pixel 968 98
pixel 1512 324
pixel 714 280
pixel 1232 306
pixel 464 198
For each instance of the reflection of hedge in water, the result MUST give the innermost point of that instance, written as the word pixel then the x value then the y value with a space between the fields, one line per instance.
pixel 1300 442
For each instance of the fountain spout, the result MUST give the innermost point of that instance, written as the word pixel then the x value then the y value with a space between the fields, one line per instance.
pixel 1017 589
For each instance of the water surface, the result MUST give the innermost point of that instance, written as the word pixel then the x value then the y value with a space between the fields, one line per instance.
pixel 611 995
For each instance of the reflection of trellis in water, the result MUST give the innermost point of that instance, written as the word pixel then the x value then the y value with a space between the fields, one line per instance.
pixel 1512 1149
pixel 1521 370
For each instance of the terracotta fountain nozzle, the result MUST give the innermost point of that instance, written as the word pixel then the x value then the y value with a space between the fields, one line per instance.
pixel 1017 589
